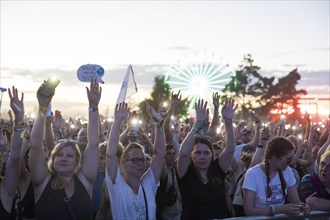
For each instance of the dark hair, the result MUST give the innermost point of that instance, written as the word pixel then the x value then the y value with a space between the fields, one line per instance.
pixel 214 180
pixel 170 147
pixel 279 147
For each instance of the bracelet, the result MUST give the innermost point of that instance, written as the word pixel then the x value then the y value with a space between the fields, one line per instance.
pixel 19 129
pixel 273 210
pixel 260 146
pixel 41 108
pixel 95 109
pixel 160 125
pixel 22 130
pixel 19 123
pixel 270 210
pixel 197 127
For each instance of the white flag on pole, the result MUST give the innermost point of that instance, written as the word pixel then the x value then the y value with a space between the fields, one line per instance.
pixel 127 83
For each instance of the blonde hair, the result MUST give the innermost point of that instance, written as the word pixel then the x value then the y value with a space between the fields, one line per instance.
pixel 131 146
pixel 57 184
pixel 325 154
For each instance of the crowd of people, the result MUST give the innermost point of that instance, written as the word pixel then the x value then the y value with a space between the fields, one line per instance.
pixel 163 170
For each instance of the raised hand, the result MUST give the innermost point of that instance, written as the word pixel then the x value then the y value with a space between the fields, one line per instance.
pixel 202 112
pixel 16 104
pixel 42 99
pixel 94 93
pixel 155 116
pixel 228 109
pixel 216 99
pixel 121 111
pixel 175 98
pixel 57 119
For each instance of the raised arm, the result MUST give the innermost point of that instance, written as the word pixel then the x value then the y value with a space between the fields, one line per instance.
pixel 255 141
pixel 89 164
pixel 49 134
pixel 175 99
pixel 215 123
pixel 121 113
pixel 259 153
pixel 159 151
pixel 37 160
pixel 56 125
pixel 24 173
pixel 202 115
pixel 227 112
pixel 9 184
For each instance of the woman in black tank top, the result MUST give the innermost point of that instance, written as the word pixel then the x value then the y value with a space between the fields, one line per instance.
pixel 63 184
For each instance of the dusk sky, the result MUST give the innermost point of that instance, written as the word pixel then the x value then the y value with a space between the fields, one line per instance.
pixel 44 38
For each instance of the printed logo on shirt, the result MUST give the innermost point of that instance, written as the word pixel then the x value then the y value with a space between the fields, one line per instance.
pixel 276 197
pixel 140 209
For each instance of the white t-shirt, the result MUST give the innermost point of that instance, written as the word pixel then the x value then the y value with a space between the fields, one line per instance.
pixel 256 181
pixel 125 204
pixel 237 152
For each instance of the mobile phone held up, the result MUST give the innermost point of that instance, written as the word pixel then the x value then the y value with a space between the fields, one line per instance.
pixel 49 87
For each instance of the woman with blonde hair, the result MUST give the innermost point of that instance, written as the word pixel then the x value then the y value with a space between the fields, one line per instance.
pixel 63 189
pixel 131 187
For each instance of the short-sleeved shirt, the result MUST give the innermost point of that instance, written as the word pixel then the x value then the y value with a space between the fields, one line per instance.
pixel 203 201
pixel 125 204
pixel 256 181
pixel 310 184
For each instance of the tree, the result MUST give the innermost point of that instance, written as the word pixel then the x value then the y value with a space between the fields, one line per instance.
pixel 259 93
pixel 284 95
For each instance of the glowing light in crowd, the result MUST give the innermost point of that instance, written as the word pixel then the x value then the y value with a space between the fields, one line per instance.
pixel 288 110
pixel 198 74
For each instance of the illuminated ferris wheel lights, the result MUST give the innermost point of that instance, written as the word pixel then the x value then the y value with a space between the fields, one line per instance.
pixel 199 86
pixel 199 74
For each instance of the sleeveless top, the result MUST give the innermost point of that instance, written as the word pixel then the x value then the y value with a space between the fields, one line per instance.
pixel 23 208
pixel 54 204
pixel 3 213
pixel 203 201
pixel 28 203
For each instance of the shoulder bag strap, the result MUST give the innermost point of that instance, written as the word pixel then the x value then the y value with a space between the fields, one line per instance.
pixel 172 177
pixel 146 203
pixel 70 208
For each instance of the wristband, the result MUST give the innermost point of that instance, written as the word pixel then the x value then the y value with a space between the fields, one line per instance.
pixel 22 130
pixel 273 210
pixel 41 108
pixel 160 125
pixel 19 129
pixel 21 123
pixel 95 109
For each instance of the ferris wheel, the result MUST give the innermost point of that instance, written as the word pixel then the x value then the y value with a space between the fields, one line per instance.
pixel 198 74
